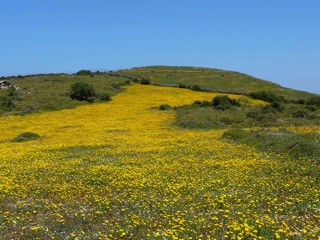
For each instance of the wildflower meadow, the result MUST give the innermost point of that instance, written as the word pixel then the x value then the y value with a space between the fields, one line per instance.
pixel 122 170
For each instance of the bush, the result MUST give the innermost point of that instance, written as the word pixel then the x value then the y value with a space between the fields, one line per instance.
pixel 164 107
pixel 314 101
pixel 84 72
pixel 145 81
pixel 104 97
pixel 300 101
pixel 82 91
pixel 6 103
pixel 274 107
pixel 182 85
pixel 202 103
pixel 266 96
pixel 300 114
pixel 27 136
pixel 196 88
pixel 311 108
pixel 223 102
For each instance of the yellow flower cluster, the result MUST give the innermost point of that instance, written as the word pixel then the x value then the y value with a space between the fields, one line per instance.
pixel 120 170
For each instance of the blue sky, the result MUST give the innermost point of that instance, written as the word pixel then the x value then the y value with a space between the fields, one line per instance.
pixel 276 40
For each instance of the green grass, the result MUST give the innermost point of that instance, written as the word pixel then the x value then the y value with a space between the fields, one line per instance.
pixel 214 79
pixel 279 141
pixel 244 116
pixel 51 92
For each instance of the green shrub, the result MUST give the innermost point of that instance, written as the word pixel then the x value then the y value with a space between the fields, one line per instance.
pixel 314 101
pixel 164 107
pixel 84 73
pixel 26 136
pixel 274 107
pixel 266 96
pixel 196 88
pixel 202 103
pixel 145 81
pixel 300 101
pixel 311 108
pixel 224 102
pixel 300 114
pixel 182 85
pixel 104 97
pixel 82 91
pixel 6 103
pixel 235 134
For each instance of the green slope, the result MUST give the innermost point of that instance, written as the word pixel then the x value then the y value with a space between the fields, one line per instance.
pixel 47 92
pixel 214 79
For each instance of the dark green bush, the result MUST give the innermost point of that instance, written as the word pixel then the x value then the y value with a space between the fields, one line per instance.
pixel 145 81
pixel 300 114
pixel 82 91
pixel 164 107
pixel 224 102
pixel 266 96
pixel 12 92
pixel 196 88
pixel 274 107
pixel 202 103
pixel 26 136
pixel 84 72
pixel 6 103
pixel 182 85
pixel 311 108
pixel 300 101
pixel 104 97
pixel 314 101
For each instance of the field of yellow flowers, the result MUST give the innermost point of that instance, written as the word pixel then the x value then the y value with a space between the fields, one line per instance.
pixel 121 170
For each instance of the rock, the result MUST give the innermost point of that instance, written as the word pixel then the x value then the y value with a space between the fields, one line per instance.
pixel 5 84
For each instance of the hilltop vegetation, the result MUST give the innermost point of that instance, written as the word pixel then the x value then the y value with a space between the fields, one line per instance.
pixel 40 92
pixel 212 79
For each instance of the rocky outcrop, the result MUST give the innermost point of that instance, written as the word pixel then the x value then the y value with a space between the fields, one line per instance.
pixel 5 84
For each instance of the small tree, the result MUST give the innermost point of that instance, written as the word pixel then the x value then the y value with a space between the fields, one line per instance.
pixel 82 91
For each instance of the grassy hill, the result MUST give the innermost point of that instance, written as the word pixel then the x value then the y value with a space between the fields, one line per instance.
pixel 158 162
pixel 121 170
pixel 41 92
pixel 213 79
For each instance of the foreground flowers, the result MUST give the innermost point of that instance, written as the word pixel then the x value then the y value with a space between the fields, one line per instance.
pixel 121 170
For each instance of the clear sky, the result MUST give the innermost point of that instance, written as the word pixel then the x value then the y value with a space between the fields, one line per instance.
pixel 276 40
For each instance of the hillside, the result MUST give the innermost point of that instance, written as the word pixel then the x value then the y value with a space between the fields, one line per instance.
pixel 121 170
pixel 48 92
pixel 213 79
